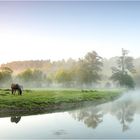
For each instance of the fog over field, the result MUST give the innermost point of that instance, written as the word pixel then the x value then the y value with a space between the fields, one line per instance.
pixel 70 43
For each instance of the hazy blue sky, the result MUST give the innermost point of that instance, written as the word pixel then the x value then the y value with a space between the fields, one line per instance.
pixel 56 30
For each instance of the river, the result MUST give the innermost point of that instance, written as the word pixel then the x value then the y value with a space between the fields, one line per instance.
pixel 119 119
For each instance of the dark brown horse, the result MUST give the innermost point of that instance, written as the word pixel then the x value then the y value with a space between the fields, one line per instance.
pixel 16 87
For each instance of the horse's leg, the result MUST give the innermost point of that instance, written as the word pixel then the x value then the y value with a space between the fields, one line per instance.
pixel 20 92
pixel 13 91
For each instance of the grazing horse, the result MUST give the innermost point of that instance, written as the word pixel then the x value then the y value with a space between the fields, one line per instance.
pixel 16 87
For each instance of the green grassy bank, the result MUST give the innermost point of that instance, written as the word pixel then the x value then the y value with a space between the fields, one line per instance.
pixel 51 100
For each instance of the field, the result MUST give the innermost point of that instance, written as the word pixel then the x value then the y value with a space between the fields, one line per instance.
pixel 52 100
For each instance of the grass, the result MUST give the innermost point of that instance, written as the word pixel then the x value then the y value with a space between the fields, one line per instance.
pixel 52 99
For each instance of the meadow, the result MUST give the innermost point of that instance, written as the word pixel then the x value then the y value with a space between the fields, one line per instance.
pixel 52 100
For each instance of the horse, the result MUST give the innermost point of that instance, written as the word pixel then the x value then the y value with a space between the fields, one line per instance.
pixel 16 87
pixel 15 119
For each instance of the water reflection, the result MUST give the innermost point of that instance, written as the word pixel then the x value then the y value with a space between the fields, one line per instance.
pixel 15 119
pixel 123 109
pixel 91 116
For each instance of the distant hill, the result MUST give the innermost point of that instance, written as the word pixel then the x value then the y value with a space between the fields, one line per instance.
pixel 49 67
pixel 45 65
pixel 20 66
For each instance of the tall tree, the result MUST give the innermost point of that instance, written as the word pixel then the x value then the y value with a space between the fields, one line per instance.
pixel 89 68
pixel 122 73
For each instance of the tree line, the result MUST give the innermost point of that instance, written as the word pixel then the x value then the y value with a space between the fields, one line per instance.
pixel 85 72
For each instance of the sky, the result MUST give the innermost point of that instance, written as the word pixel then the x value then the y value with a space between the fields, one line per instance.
pixel 55 30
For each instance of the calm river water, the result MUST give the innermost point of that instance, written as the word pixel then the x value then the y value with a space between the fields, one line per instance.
pixel 117 120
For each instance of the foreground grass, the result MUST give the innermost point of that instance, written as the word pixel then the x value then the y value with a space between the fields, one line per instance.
pixel 49 100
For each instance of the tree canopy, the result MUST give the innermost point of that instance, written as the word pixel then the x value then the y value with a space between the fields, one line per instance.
pixel 122 73
pixel 89 68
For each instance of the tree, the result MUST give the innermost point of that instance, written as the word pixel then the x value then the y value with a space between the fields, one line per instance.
pixel 89 68
pixel 32 78
pixel 5 76
pixel 124 79
pixel 26 76
pixel 65 77
pixel 122 73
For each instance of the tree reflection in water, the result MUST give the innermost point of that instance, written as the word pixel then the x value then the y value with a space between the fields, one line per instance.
pixel 90 116
pixel 15 119
pixel 124 110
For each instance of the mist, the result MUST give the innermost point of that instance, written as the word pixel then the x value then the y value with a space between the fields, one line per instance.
pixel 69 73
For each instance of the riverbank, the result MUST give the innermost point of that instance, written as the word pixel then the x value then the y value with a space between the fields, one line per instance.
pixel 43 101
